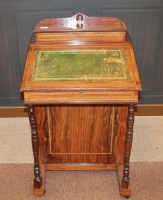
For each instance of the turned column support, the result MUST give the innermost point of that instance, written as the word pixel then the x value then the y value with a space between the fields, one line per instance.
pixel 129 137
pixel 35 146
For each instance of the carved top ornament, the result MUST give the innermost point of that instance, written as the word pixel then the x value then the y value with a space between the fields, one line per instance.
pixel 82 22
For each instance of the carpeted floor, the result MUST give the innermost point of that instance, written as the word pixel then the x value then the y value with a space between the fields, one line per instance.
pixel 15 142
pixel 146 174
pixel 16 183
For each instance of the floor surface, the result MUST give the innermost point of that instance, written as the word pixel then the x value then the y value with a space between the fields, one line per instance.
pixel 15 142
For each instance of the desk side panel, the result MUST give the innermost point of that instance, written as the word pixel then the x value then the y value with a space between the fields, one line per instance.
pixel 82 134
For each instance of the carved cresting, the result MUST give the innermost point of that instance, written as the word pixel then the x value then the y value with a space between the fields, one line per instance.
pixel 129 136
pixel 35 146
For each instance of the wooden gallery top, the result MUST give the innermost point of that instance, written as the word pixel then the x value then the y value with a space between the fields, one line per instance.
pixel 80 60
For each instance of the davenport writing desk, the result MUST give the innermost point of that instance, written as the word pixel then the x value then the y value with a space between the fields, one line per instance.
pixel 81 84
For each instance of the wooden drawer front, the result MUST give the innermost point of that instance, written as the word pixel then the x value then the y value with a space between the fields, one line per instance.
pixel 81 97
pixel 81 37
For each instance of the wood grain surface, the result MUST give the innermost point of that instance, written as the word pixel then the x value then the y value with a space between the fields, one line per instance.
pixel 80 22
pixel 35 146
pixel 82 134
pixel 81 92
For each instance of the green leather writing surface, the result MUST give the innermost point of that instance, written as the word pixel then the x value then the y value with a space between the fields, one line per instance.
pixel 84 65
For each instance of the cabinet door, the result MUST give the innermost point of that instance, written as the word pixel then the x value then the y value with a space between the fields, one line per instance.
pixel 82 134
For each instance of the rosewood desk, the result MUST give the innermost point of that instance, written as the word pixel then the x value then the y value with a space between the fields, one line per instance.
pixel 81 84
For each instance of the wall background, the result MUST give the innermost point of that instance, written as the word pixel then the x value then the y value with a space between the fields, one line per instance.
pixel 144 20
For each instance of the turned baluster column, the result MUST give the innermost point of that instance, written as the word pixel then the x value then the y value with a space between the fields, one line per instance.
pixel 129 136
pixel 35 146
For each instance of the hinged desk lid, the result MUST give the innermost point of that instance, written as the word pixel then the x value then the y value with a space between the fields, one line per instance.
pixel 93 57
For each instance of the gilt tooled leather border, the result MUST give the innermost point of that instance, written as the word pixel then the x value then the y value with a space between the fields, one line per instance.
pixel 80 65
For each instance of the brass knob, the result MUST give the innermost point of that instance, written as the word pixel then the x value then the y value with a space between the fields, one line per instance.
pixel 79 25
pixel 79 17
